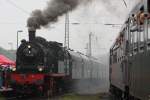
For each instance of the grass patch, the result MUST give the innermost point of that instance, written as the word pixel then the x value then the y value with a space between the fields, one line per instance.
pixel 80 97
pixel 2 97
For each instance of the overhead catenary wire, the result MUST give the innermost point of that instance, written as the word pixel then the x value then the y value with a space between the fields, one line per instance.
pixel 18 7
pixel 125 3
pixel 76 23
pixel 12 23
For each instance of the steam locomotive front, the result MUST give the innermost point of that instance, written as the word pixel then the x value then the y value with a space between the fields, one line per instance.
pixel 30 65
pixel 30 55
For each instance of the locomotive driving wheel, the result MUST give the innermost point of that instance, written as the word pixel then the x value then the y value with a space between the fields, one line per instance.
pixel 50 87
pixel 49 93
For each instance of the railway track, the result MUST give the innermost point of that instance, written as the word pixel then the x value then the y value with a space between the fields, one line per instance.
pixel 66 96
pixel 12 96
pixel 25 97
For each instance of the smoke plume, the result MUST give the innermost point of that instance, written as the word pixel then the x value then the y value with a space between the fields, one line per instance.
pixel 50 14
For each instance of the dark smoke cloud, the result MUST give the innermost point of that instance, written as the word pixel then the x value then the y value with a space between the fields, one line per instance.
pixel 54 9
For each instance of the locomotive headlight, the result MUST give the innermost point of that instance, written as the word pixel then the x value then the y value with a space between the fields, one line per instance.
pixel 29 46
pixel 40 69
pixel 14 69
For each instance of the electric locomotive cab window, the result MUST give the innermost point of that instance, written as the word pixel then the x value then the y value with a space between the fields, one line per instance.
pixel 137 31
pixel 148 19
pixel 148 37
pixel 115 57
pixel 111 57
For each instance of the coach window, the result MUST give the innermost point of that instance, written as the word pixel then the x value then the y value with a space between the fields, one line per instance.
pixel 110 60
pixel 148 29
pixel 111 57
pixel 148 20
pixel 141 27
pixel 114 57
pixel 141 36
pixel 126 34
pixel 135 37
pixel 141 44
pixel 131 37
pixel 133 29
pixel 131 40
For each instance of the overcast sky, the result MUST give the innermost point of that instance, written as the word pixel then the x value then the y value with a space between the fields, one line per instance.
pixel 91 17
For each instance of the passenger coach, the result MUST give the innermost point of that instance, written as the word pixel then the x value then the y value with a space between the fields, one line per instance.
pixel 130 56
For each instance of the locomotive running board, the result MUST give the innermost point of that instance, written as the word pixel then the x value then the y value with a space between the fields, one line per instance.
pixel 58 75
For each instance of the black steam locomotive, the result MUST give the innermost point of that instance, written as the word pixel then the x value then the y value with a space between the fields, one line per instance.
pixel 47 68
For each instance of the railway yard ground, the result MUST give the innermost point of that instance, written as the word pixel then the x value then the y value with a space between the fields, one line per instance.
pixel 71 96
pixel 94 93
pixel 102 96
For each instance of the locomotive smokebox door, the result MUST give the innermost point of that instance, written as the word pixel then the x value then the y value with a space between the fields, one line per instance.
pixel 32 32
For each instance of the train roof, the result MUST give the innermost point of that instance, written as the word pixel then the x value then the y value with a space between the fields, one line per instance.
pixel 135 10
pixel 81 55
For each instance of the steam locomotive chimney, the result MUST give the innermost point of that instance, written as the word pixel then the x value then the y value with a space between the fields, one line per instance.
pixel 32 32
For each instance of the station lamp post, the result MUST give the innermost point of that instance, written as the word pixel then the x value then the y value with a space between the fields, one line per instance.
pixel 17 36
